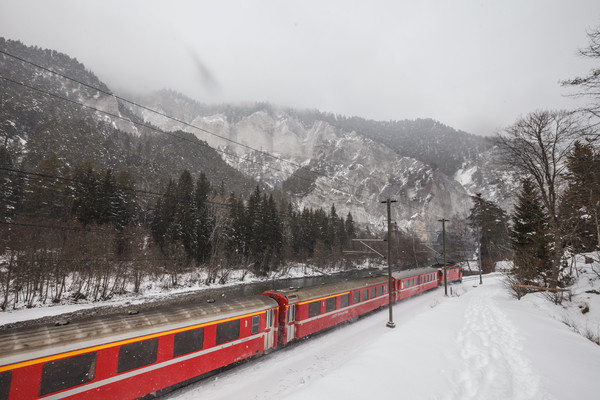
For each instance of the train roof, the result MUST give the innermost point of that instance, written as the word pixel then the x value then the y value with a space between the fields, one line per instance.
pixel 295 295
pixel 19 344
pixel 413 272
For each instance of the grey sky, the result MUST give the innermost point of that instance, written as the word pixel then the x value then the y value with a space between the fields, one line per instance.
pixel 473 65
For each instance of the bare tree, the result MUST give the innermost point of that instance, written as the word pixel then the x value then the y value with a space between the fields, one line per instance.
pixel 537 146
pixel 589 85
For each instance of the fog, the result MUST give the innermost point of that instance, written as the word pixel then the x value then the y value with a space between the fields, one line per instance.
pixel 473 65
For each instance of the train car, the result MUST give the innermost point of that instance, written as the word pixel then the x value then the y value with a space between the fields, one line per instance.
pixel 130 356
pixel 453 273
pixel 414 281
pixel 305 311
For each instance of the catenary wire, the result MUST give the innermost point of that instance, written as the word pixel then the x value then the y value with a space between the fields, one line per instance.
pixel 173 119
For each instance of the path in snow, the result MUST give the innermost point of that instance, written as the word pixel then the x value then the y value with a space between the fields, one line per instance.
pixel 491 349
pixel 482 344
pixel 287 370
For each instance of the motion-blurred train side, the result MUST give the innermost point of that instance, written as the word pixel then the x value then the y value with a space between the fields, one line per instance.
pixel 147 354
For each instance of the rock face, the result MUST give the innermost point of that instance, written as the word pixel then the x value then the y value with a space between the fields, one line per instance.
pixel 319 159
pixel 320 162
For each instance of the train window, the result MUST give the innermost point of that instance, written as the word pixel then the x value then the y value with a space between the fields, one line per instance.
pixel 5 378
pixel 314 308
pixel 330 304
pixel 365 294
pixel 372 293
pixel 380 290
pixel 291 313
pixel 255 325
pixel 67 372
pixel 355 297
pixel 228 331
pixel 344 300
pixel 402 283
pixel 137 354
pixel 188 342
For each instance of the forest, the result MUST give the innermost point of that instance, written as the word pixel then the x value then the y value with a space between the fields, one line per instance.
pixel 89 211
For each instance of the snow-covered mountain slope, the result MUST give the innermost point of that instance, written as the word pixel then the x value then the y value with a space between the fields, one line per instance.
pixel 322 163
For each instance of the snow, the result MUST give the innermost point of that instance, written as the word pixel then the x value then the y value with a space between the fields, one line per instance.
pixel 479 343
pixel 157 289
pixel 465 176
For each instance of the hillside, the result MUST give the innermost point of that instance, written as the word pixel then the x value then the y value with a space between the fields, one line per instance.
pixel 48 112
pixel 316 158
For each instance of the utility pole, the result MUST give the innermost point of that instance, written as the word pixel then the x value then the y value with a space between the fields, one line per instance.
pixel 479 254
pixel 443 221
pixel 390 323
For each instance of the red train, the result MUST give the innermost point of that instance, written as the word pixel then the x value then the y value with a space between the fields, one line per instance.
pixel 147 354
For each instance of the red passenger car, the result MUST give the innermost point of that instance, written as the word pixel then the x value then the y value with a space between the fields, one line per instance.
pixel 305 311
pixel 453 273
pixel 410 282
pixel 129 356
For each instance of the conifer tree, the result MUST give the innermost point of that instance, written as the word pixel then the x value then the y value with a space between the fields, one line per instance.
pixel 10 187
pixel 529 237
pixel 44 192
pixel 205 221
pixel 491 221
pixel 349 225
pixel 237 249
pixel 85 194
pixel 163 215
pixel 106 201
pixel 126 200
pixel 580 203
pixel 184 222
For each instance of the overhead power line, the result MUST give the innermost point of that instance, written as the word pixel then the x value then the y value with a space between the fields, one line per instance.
pixel 195 142
pixel 108 93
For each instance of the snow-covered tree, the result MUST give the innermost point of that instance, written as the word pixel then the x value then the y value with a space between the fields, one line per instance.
pixel 529 238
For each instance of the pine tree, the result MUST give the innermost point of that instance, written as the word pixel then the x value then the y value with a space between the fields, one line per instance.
pixel 10 188
pixel 205 221
pixel 85 194
pixel 492 223
pixel 529 237
pixel 237 249
pixel 580 203
pixel 184 223
pixel 127 208
pixel 44 191
pixel 106 201
pixel 163 216
pixel 349 225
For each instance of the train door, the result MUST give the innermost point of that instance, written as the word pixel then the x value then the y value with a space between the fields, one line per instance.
pixel 270 337
pixel 291 324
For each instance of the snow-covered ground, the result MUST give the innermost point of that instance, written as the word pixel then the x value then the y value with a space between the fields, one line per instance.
pixel 479 343
pixel 157 290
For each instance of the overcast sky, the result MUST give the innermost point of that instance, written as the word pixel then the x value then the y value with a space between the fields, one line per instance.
pixel 473 65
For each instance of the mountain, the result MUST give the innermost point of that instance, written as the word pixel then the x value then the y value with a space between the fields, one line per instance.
pixel 321 159
pixel 43 111
pixel 317 158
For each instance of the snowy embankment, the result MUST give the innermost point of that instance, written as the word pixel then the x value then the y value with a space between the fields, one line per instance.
pixel 479 343
pixel 157 290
